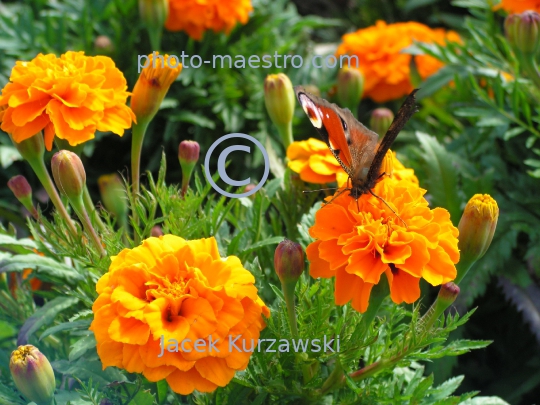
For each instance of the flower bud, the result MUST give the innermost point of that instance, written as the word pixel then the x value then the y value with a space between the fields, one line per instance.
pixel 522 31
pixel 476 230
pixel 32 374
pixel 188 155
pixel 157 75
pixel 23 192
pixel 68 173
pixel 380 121
pixel 156 231
pixel 448 294
pixel 103 45
pixel 32 148
pixel 279 99
pixel 289 261
pixel 446 297
pixel 113 194
pixel 350 86
pixel 153 15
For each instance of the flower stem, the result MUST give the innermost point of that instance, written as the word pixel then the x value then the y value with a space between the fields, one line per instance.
pixel 286 134
pixel 38 165
pixel 90 207
pixel 288 292
pixel 529 66
pixel 80 210
pixel 138 132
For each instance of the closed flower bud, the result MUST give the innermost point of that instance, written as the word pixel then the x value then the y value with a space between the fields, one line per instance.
pixel 32 374
pixel 153 15
pixel 156 231
pixel 448 294
pixel 476 230
pixel 350 86
pixel 279 99
pixel 68 173
pixel 446 297
pixel 188 155
pixel 380 121
pixel 157 75
pixel 23 192
pixel 522 31
pixel 103 45
pixel 32 148
pixel 289 261
pixel 113 194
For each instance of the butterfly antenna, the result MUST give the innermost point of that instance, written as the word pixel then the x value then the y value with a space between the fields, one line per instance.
pixel 334 197
pixel 320 189
pixel 391 209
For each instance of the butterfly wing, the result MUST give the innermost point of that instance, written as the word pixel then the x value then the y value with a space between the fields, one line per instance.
pixel 352 144
pixel 405 112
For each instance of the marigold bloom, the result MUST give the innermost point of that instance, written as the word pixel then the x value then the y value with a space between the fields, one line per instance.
pixel 197 16
pixel 357 247
pixel 315 163
pixel 71 97
pixel 386 70
pixel 518 6
pixel 169 288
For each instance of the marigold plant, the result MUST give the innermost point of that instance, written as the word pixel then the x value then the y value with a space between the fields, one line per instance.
pixel 518 6
pixel 169 289
pixel 71 97
pixel 315 163
pixel 196 16
pixel 379 50
pixel 358 246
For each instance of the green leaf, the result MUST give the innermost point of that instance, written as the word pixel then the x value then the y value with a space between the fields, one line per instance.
pixel 162 390
pixel 442 182
pixel 485 401
pixel 80 324
pixel 8 155
pixel 270 241
pixel 44 316
pixel 193 118
pixel 142 398
pixel 81 346
pixel 42 265
pixel 17 245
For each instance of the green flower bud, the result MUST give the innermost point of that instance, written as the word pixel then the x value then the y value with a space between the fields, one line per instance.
pixel 153 15
pixel 32 148
pixel 350 86
pixel 68 173
pixel 113 194
pixel 32 374
pixel 279 99
pixel 448 294
pixel 289 261
pixel 522 31
pixel 380 121
pixel 446 297
pixel 188 155
pixel 23 192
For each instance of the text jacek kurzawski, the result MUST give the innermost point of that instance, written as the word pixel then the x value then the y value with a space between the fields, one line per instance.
pixel 250 345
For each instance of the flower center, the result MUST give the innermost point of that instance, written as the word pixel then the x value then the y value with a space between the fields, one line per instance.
pixel 166 288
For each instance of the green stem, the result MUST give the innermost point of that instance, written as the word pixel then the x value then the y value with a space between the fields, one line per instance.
pixel 91 208
pixel 285 131
pixel 288 292
pixel 38 165
pixel 528 63
pixel 80 210
pixel 138 132
pixel 379 292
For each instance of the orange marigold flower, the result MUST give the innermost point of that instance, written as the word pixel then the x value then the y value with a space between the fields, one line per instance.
pixel 197 16
pixel 358 246
pixel 171 290
pixel 386 70
pixel 518 6
pixel 71 97
pixel 315 163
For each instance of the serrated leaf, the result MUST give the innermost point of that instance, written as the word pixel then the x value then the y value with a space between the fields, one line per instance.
pixel 17 245
pixel 44 316
pixel 442 180
pixel 42 265
pixel 81 324
pixel 142 398
pixel 81 346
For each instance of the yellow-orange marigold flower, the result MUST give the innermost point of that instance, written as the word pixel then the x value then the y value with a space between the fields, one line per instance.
pixel 386 70
pixel 197 16
pixel 518 6
pixel 71 97
pixel 357 247
pixel 315 163
pixel 172 289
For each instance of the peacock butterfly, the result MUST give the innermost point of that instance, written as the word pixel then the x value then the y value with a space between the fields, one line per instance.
pixel 356 148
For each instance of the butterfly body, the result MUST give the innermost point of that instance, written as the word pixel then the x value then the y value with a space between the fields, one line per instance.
pixel 357 149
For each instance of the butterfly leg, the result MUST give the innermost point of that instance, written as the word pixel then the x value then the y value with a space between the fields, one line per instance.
pixel 391 209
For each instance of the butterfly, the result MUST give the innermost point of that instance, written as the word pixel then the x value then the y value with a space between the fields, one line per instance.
pixel 357 149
